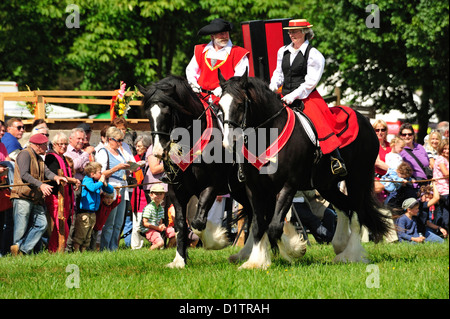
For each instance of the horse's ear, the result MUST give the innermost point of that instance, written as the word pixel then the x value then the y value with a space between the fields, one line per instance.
pixel 141 89
pixel 244 78
pixel 168 88
pixel 221 78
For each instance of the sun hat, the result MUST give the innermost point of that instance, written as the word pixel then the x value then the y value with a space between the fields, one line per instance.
pixel 216 26
pixel 38 139
pixel 298 24
pixel 157 188
pixel 409 203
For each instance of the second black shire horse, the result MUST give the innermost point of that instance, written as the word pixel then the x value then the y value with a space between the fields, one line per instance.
pixel 248 103
pixel 175 111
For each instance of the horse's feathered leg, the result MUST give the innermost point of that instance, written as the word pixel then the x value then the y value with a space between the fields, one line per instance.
pixel 212 236
pixel 290 243
pixel 354 251
pixel 260 254
pixel 181 233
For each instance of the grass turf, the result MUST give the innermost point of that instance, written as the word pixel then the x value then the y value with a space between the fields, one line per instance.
pixel 395 271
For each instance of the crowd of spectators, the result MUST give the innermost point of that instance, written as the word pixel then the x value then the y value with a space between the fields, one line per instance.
pixel 412 179
pixel 64 194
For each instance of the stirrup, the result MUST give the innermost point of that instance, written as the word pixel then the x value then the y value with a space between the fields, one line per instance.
pixel 241 176
pixel 337 168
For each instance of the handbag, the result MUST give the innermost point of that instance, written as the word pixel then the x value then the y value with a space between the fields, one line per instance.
pixel 427 170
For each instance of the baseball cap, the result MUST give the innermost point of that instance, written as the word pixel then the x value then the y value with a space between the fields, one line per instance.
pixel 409 203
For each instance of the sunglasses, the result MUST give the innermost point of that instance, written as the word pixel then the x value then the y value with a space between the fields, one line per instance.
pixel 407 134
pixel 45 134
pixel 20 127
pixel 118 141
pixel 380 130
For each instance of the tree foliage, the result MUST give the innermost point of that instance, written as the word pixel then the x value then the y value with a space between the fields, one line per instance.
pixel 139 41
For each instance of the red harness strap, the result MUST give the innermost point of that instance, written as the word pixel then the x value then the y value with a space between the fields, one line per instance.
pixel 183 162
pixel 275 147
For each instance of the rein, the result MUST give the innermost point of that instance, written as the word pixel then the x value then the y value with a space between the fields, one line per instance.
pixel 243 124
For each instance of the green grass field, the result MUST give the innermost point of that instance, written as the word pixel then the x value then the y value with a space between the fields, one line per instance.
pixel 396 271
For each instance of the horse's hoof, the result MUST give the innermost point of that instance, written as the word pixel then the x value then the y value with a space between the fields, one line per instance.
pixel 253 265
pixel 236 258
pixel 344 257
pixel 178 262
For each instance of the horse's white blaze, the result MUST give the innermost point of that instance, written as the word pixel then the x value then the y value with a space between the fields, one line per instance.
pixel 178 262
pixel 260 256
pixel 213 236
pixel 225 103
pixel 155 111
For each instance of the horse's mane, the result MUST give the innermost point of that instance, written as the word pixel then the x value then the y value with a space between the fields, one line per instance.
pixel 175 92
pixel 254 88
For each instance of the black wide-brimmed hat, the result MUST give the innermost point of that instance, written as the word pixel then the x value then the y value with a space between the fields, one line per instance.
pixel 216 26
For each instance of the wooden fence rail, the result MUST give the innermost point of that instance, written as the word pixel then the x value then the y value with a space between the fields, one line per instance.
pixel 65 97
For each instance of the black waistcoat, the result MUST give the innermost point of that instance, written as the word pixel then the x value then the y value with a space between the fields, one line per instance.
pixel 294 74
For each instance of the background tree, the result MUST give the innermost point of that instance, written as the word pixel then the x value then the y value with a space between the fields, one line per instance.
pixel 406 53
pixel 139 41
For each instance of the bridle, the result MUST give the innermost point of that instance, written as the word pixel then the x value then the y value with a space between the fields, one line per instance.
pixel 243 124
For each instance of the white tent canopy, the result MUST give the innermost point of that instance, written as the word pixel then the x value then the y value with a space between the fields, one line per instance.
pixel 15 109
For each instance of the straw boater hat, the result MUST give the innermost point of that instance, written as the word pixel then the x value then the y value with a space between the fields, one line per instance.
pixel 216 26
pixel 298 24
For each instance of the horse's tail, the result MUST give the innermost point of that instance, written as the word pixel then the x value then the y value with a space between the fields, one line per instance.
pixel 374 216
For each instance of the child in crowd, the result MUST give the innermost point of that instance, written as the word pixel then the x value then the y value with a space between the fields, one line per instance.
pixel 409 229
pixel 108 202
pixel 440 173
pixel 93 183
pixel 393 158
pixel 428 207
pixel 397 183
pixel 152 223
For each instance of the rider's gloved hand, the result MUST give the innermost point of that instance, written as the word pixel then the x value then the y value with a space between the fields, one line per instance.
pixel 288 99
pixel 196 88
pixel 273 87
pixel 217 91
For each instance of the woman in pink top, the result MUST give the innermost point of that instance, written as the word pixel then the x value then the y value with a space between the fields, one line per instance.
pixel 440 173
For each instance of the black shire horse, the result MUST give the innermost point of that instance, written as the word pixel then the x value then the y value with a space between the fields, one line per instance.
pixel 178 121
pixel 249 103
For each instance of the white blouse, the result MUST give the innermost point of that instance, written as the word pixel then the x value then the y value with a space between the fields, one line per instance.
pixel 315 67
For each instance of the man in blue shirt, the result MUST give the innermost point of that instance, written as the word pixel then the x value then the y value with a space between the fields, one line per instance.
pixel 14 133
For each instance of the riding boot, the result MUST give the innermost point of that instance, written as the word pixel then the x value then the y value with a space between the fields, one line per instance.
pixel 337 163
